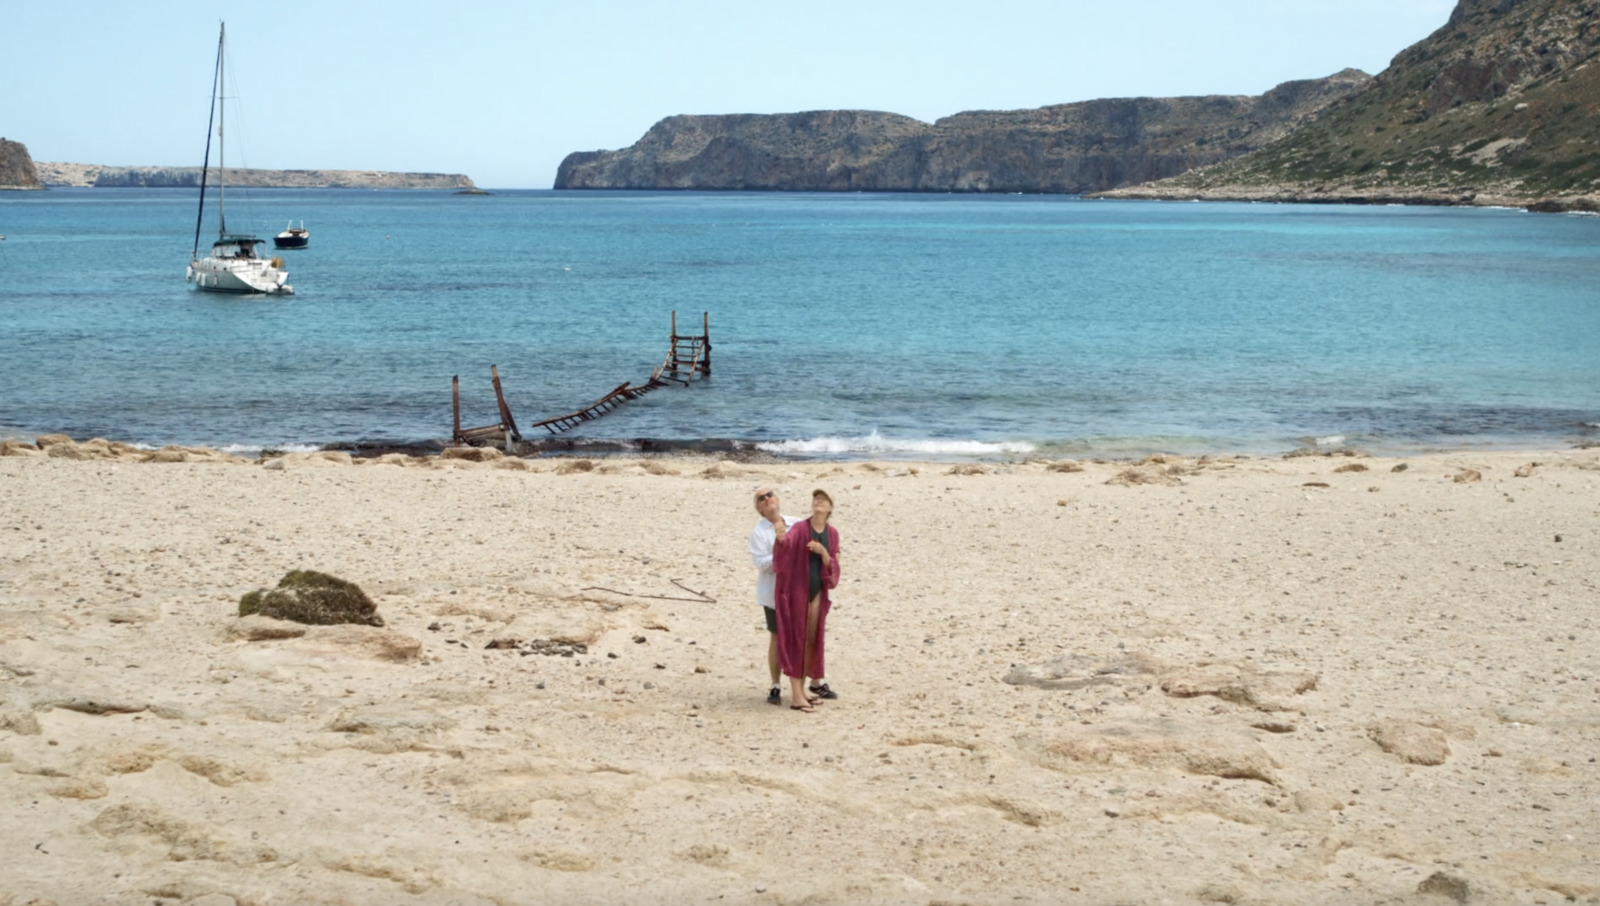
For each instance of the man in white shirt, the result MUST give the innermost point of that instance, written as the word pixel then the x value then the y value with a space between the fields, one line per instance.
pixel 762 538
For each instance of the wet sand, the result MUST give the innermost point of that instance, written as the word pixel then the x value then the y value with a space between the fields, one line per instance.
pixel 1238 680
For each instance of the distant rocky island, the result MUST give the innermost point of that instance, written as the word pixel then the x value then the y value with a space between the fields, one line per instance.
pixel 1072 148
pixel 1497 107
pixel 103 177
pixel 17 170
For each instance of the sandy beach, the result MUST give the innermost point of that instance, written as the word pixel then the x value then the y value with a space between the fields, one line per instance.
pixel 1321 679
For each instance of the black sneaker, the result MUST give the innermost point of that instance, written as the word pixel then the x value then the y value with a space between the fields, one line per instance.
pixel 823 691
pixel 774 696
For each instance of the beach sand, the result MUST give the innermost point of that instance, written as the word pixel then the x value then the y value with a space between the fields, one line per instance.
pixel 1240 680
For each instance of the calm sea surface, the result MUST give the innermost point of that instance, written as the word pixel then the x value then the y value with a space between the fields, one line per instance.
pixel 912 325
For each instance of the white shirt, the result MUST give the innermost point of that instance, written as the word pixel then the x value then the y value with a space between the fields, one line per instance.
pixel 762 538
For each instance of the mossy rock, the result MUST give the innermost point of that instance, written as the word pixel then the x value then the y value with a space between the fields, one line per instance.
pixel 318 599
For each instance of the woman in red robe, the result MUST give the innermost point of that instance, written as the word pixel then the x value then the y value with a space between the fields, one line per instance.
pixel 806 561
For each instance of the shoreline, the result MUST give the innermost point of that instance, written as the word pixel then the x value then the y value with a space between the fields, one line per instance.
pixel 1374 196
pixel 1309 679
pixel 65 175
pixel 761 452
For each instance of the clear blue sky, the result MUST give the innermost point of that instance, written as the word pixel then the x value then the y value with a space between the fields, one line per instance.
pixel 503 91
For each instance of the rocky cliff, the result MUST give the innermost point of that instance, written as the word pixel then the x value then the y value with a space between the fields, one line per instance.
pixel 16 167
pixel 102 177
pixel 1072 148
pixel 1499 106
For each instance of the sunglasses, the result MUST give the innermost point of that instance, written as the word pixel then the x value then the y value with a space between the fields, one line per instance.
pixel 761 497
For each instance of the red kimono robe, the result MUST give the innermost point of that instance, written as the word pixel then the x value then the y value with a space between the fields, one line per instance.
pixel 791 562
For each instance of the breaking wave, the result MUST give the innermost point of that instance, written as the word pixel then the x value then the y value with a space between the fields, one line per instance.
pixel 877 444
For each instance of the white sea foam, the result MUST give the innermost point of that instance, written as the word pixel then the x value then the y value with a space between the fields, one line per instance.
pixel 1332 440
pixel 877 444
pixel 250 450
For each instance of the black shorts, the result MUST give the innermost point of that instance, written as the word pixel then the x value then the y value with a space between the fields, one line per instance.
pixel 772 618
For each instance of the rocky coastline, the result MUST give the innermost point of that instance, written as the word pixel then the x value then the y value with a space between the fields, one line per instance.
pixel 1357 195
pixel 1496 108
pixel 17 169
pixel 1066 148
pixel 71 175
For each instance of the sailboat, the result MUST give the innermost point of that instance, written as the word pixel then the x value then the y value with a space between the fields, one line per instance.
pixel 233 265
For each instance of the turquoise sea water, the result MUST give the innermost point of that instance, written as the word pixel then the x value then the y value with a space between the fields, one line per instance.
pixel 909 325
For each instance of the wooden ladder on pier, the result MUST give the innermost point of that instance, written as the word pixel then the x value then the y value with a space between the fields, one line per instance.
pixel 604 404
pixel 687 355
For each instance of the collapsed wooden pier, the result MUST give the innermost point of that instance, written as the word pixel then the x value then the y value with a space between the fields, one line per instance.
pixel 688 355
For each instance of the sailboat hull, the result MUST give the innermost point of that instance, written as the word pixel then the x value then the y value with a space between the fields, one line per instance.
pixel 244 276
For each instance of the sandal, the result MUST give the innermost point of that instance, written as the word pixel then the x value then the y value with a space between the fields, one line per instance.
pixel 805 709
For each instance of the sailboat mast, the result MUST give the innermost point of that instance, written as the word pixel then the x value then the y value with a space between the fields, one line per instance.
pixel 222 120
pixel 205 163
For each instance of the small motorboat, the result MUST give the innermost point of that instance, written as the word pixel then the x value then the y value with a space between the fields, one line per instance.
pixel 293 237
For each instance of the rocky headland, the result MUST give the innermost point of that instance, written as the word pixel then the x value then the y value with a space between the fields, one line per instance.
pixel 1069 148
pixel 68 175
pixel 17 170
pixel 1501 106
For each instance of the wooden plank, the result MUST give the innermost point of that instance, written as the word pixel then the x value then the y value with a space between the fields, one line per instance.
pixel 471 436
pixel 505 410
pixel 705 325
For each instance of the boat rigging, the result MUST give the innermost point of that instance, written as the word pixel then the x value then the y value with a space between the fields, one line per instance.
pixel 232 265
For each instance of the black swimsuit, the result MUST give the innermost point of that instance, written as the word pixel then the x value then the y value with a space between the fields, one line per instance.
pixel 816 561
